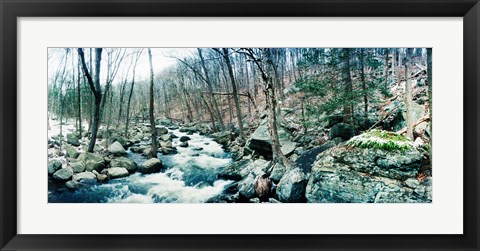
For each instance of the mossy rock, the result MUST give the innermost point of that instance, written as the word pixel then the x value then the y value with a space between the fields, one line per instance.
pixel 383 140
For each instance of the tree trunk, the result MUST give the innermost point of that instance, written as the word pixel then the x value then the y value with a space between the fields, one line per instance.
pixel 210 89
pixel 97 91
pixel 235 93
pixel 408 94
pixel 385 85
pixel 394 55
pixel 399 73
pixel 364 87
pixel 79 101
pixel 153 149
pixel 269 91
pixel 347 79
pixel 120 108
pixel 127 121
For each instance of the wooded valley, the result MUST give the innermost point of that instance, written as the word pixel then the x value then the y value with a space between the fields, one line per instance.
pixel 216 125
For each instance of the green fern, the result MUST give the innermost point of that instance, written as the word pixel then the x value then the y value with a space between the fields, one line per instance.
pixel 379 139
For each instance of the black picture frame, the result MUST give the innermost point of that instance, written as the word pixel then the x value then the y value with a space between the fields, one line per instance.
pixel 11 9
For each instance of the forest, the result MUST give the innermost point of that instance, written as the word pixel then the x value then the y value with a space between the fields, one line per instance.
pixel 239 125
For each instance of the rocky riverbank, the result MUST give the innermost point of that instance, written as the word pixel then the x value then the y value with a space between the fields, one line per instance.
pixel 331 172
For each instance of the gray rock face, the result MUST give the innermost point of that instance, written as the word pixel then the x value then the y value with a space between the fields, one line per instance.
pixel 117 172
pixel 116 148
pixel 354 175
pixel 344 131
pixel 73 140
pixel 63 174
pixel 84 177
pixel 152 165
pixel 92 161
pixel 291 187
pixel 124 162
pixel 54 165
pixel 71 151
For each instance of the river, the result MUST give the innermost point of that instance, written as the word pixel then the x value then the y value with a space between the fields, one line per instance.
pixel 190 177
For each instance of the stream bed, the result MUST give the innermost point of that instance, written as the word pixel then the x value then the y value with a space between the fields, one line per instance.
pixel 190 176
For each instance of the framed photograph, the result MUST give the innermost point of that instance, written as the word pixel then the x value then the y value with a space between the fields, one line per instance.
pixel 239 125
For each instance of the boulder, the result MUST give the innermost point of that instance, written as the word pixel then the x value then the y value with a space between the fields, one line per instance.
pixel 71 151
pixel 306 160
pixel 124 162
pixel 246 188
pixel 355 175
pixel 54 165
pixel 117 172
pixel 277 172
pixel 166 137
pixel 257 167
pixel 152 165
pixel 73 185
pixel 146 151
pixel 77 166
pixel 72 139
pixel 344 131
pixel 167 147
pixel 291 187
pixel 184 139
pixel 288 147
pixel 138 149
pixel 232 170
pixel 222 138
pixel 260 141
pixel 116 148
pixel 162 130
pixel 84 177
pixel 63 174
pixel 92 161
pixel 184 144
pixel 101 177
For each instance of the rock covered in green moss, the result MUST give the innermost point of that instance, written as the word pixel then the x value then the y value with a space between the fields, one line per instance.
pixel 383 140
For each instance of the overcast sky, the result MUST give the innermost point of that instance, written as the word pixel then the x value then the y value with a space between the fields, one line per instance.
pixel 161 58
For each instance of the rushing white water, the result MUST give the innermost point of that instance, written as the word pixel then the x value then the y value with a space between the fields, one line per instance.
pixel 190 177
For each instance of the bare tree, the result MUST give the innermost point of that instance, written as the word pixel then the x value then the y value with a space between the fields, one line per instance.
pixel 210 89
pixel 347 79
pixel 408 94
pixel 153 149
pixel 226 57
pixel 135 59
pixel 96 90
pixel 261 60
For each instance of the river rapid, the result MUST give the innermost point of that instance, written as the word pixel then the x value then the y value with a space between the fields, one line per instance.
pixel 190 176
